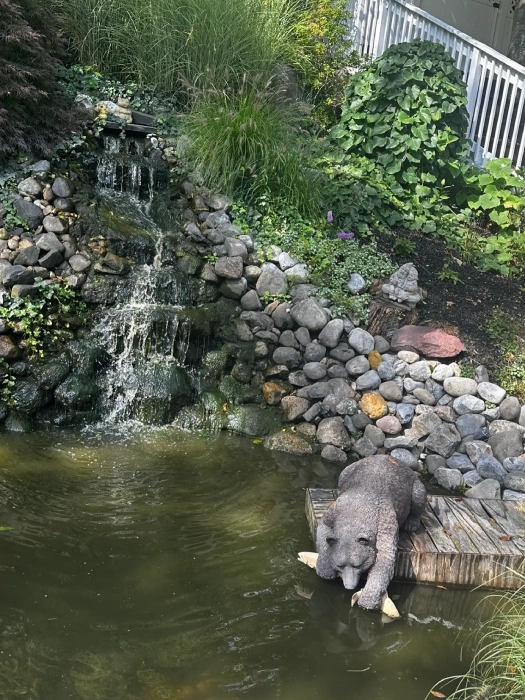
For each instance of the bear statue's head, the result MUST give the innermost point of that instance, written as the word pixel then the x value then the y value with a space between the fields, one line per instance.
pixel 352 546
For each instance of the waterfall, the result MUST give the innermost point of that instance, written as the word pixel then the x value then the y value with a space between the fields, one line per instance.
pixel 147 335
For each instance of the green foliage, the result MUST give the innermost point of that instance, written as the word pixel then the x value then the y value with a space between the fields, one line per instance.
pixel 331 260
pixel 448 274
pixel 41 320
pixel 321 34
pixel 509 337
pixel 267 298
pixel 404 247
pixel 498 193
pixel 7 382
pixel 246 144
pixel 407 111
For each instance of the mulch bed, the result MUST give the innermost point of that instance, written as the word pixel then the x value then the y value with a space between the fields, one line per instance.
pixel 464 308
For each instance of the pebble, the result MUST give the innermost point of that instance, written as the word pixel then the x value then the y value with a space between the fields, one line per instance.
pixel 390 391
pixel 510 408
pixel 468 404
pixel 361 341
pixel 404 457
pixel 491 392
pixel 368 380
pixel 408 356
pixel 390 425
pixel 460 386
pixel 356 283
pixel 468 423
pixel 419 371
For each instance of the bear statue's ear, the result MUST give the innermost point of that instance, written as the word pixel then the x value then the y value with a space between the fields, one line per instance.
pixel 329 517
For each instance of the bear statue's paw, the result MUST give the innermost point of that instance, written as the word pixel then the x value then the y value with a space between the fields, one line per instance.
pixel 412 523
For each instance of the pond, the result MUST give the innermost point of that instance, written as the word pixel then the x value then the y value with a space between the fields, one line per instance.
pixel 161 564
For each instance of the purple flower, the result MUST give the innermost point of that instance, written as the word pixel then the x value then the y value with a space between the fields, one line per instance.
pixel 329 217
pixel 345 234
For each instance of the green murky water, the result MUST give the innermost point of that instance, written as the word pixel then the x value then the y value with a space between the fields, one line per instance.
pixel 162 565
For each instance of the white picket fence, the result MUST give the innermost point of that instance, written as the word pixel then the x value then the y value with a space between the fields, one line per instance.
pixel 495 84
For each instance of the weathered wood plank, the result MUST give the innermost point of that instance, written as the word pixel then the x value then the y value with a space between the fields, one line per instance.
pixel 459 543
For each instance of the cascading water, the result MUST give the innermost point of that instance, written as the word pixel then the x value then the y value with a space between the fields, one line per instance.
pixel 146 336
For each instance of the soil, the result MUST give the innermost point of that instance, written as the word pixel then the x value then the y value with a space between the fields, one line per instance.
pixel 464 308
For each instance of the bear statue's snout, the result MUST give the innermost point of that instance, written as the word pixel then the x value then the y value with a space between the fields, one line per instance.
pixel 350 577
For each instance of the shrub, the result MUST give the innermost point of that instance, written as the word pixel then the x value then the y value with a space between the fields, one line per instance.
pixel 247 143
pixel 33 111
pixel 407 111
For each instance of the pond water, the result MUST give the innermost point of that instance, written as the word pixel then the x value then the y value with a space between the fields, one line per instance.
pixel 162 565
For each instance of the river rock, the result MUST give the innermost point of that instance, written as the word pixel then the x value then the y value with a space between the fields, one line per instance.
pixel 273 391
pixel 434 462
pixel 468 404
pixel 8 348
pixel 52 224
pixel 342 353
pixel 28 396
pixel 272 281
pixel 230 268
pixel 404 441
pixel 312 413
pixel 310 314
pixel 290 442
pixel 489 468
pixel 50 375
pixel 361 341
pixel 507 444
pixel 461 462
pixel 346 407
pixel 405 458
pixel 364 447
pixel 510 408
pixel 356 283
pixel 488 489
pixel 319 390
pixel 374 406
pixel 62 187
pixel 460 386
pixel 408 356
pixel 330 453
pixel 405 412
pixel 509 495
pixel 375 435
pixel 469 423
pixel 357 365
pixel 51 260
pixel 443 441
pixel 425 424
pixel 491 392
pixel 30 187
pixel 515 481
pixel 331 333
pixel 514 464
pixel 450 479
pixel 235 248
pixel 419 371
pixel 28 256
pixel 472 478
pixel 424 396
pixel 287 356
pixel 477 449
pixel 250 301
pixel 252 273
pixel 294 408
pixel 390 391
pixel 386 371
pixel 367 381
pixel 442 372
pixel 389 425
pixel 314 370
pixel 77 391
pixel 430 342
pixel 381 344
pixel 16 274
pixel 502 426
pixel 297 273
pixel 314 352
pixel 332 431
pixel 29 212
pixel 288 339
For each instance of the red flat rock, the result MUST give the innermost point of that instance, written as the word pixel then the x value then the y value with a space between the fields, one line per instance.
pixel 430 342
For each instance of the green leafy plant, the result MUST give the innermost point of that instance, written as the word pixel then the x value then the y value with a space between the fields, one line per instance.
pixel 404 246
pixel 499 193
pixel 407 111
pixel 267 298
pixel 43 319
pixel 448 274
pixel 509 337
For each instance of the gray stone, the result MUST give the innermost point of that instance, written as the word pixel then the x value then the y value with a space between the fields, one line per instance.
pixel 361 420
pixel 310 314
pixel 510 408
pixel 460 386
pixel 408 356
pixel 381 344
pixel 450 479
pixel 489 468
pixel 512 464
pixel 521 419
pixel 62 187
pixel 477 449
pixel 329 404
pixel 289 442
pixel 330 453
pixel 288 339
pixel 405 413
pixel 303 336
pixel 419 371
pixel 507 444
pixel 261 350
pixel 51 260
pixel 294 408
pixel 481 375
pixel 337 371
pixel 445 400
pixel 298 378
pixel 401 367
pixel 364 447
pixel 389 425
pixel 446 413
pixel 303 291
pixel 281 316
pixel 287 356
pixel 319 390
pixel 24 290
pixel 30 186
pixel 502 426
pixel 52 224
pixel 312 412
pixel 235 248
pixel 346 407
pixel 230 268
pixel 314 352
pixel 367 381
pixel 390 391
pixel 298 273
pixel 341 388
pixel 442 372
pixel 468 404
pixel 434 462
pixel 28 256
pixel 468 423
pixel 29 212
pixel 331 333
pixel 491 392
pixel 435 389
pixel 425 424
pixel 233 289
pixel 29 397
pixel 62 204
pixel 15 274
pixel 489 489
pixel 461 462
pixel 444 440
pixel 79 263
pixel 252 273
pixel 404 441
pixel 386 371
pixel 404 457
pixel 472 478
pixel 375 435
pixel 285 261
pixel 515 481
pixel 332 431
pixel 342 353
pixel 357 365
pixel 425 397
pixel 509 495
pixel 314 370
pixel 491 414
pixel 356 283
pixel 361 341
pixel 403 286
pixel 250 301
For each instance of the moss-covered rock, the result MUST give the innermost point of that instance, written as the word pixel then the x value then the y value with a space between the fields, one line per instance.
pixel 254 421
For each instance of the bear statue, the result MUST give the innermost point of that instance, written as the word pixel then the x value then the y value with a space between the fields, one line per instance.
pixel 360 531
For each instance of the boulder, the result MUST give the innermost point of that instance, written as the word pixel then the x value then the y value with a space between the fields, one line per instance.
pixel 49 241
pixel 309 314
pixel 52 224
pixel 450 479
pixel 489 468
pixel 287 356
pixel 443 441
pixel 468 404
pixel 477 449
pixel 488 489
pixel 233 289
pixel 510 408
pixel 231 268
pixel 469 423
pixel 271 281
pixel 491 392
pixel 29 212
pixel 253 420
pixel 16 274
pixel 235 248
pixel 77 391
pixel 515 481
pixel 62 187
pixel 331 333
pixel 361 341
pixel 507 444
pixel 430 342
pixel 29 397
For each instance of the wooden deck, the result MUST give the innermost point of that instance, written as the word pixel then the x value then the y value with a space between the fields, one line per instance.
pixel 463 541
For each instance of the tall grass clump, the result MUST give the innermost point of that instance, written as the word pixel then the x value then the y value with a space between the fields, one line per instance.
pixel 248 142
pixel 169 43
pixel 497 671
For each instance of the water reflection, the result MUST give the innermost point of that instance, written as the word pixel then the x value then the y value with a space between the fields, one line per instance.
pixel 163 565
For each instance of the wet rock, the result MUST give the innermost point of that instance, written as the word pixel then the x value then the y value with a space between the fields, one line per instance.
pixel 51 260
pixel 294 408
pixel 17 423
pixel 242 331
pixel 443 441
pixel 491 392
pixel 331 431
pixel 230 268
pixel 515 481
pixel 271 281
pixel 367 381
pixel 461 462
pixel 112 264
pixel 50 375
pixel 330 453
pixel 289 442
pixel 487 489
pixel 374 406
pixel 390 391
pixel 468 423
pixel 28 396
pixel 287 356
pixel 274 391
pixel 450 479
pixel 242 372
pixel 310 314
pixel 314 370
pixel 254 421
pixel 8 348
pixel 468 404
pixel 29 213
pixel 62 187
pixel 361 341
pixel 77 391
pixel 331 333
pixel 489 468
pixel 510 408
